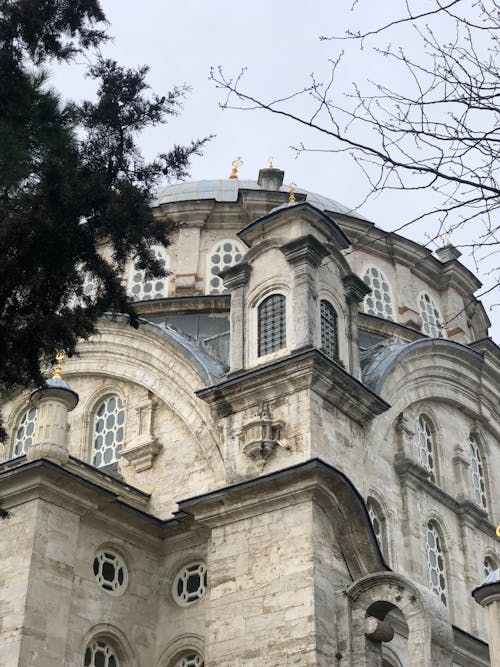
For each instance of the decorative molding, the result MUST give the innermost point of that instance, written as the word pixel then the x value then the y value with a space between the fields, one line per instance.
pixel 355 288
pixel 142 451
pixel 305 250
pixel 236 276
pixel 260 435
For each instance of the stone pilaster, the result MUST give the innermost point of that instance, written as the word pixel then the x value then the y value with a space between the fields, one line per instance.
pixel 236 281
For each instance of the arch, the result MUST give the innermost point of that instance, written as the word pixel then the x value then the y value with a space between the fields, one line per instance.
pixel 223 254
pixel 379 523
pixel 153 359
pixel 430 638
pixel 478 477
pixel 142 288
pixel 180 646
pixel 329 329
pixel 380 302
pixel 432 320
pixel 113 636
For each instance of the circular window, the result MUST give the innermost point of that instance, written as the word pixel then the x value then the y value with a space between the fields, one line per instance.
pixel 190 584
pixel 110 572
pixel 190 660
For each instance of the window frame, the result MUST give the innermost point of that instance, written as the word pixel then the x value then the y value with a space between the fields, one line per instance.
pixel 257 310
pixel 23 410
pixel 239 249
pixel 102 398
pixel 383 278
pixel 435 306
pixel 328 303
pixel 432 525
pixel 475 441
pixel 434 470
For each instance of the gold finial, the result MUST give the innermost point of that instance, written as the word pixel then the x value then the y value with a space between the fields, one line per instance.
pixel 291 192
pixel 446 239
pixel 236 165
pixel 271 162
pixel 498 531
pixel 57 371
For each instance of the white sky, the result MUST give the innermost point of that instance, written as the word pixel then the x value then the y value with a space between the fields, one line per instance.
pixel 278 43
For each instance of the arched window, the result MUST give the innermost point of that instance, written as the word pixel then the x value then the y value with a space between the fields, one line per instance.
pixel 435 561
pixel 378 522
pixel 425 442
pixel 100 654
pixel 190 660
pixel 25 432
pixel 224 254
pixel 146 289
pixel 109 426
pixel 271 324
pixel 432 322
pixel 489 566
pixel 379 302
pixel 477 472
pixel 328 325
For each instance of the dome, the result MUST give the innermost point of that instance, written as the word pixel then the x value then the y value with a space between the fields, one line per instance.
pixel 227 190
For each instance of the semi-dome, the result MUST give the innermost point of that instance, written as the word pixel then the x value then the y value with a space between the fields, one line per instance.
pixel 227 190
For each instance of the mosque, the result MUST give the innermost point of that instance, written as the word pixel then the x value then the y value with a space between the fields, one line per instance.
pixel 292 461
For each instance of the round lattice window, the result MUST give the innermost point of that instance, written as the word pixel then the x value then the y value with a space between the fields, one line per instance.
pixel 25 432
pixel 109 424
pixel 223 255
pixel 379 301
pixel 144 289
pixel 110 572
pixel 190 584
pixel 190 660
pixel 100 654
pixel 431 317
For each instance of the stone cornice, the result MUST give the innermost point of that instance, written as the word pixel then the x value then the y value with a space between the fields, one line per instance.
pixel 355 288
pixel 305 250
pixel 236 276
pixel 308 369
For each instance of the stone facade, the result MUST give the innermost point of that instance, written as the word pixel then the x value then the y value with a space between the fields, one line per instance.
pixel 292 461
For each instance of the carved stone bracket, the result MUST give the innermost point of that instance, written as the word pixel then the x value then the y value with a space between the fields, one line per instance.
pixel 141 452
pixel 260 435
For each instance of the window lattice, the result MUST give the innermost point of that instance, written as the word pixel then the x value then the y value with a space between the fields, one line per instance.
pixel 377 521
pixel 435 561
pixel 109 424
pixel 477 472
pixel 488 566
pixel 190 584
pixel 191 660
pixel 146 289
pixel 223 255
pixel 379 302
pixel 100 654
pixel 271 324
pixel 425 443
pixel 329 341
pixel 110 572
pixel 431 317
pixel 25 431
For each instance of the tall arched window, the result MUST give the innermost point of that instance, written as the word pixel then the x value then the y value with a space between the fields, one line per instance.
pixel 378 522
pixel 425 442
pixel 328 325
pixel 100 654
pixel 432 322
pixel 190 660
pixel 379 302
pixel 109 427
pixel 223 254
pixel 435 561
pixel 25 432
pixel 477 472
pixel 146 289
pixel 271 324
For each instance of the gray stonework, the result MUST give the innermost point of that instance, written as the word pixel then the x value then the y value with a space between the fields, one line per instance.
pixel 261 468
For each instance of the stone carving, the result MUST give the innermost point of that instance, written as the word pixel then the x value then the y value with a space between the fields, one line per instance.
pixel 260 435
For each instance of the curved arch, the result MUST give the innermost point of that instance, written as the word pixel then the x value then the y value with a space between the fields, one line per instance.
pixel 220 258
pixel 117 639
pixel 151 360
pixel 89 408
pixel 430 640
pixel 178 647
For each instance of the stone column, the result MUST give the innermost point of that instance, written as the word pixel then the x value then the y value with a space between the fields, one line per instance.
pixel 53 402
pixel 305 254
pixel 488 596
pixel 236 279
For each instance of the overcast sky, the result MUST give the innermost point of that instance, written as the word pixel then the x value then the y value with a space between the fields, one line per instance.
pixel 279 45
